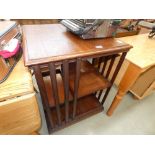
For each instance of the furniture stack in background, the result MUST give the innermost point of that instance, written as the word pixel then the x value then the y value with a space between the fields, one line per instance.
pixel 19 113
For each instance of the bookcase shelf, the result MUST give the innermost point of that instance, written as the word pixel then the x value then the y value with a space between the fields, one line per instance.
pixel 90 80
pixel 86 106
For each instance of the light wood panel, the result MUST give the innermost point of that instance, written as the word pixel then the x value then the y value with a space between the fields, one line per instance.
pixel 19 115
pixel 144 84
pixel 143 53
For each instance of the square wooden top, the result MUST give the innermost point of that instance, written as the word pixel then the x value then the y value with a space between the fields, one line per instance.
pixel 143 53
pixel 52 42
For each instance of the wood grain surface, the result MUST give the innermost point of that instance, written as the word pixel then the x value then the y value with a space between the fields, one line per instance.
pixel 143 53
pixel 18 83
pixel 90 80
pixel 52 42
pixel 19 115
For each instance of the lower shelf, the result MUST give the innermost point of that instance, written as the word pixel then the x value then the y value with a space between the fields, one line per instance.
pixel 86 107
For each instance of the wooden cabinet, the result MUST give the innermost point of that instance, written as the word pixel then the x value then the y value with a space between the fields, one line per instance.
pixel 142 57
pixel 138 75
pixel 144 84
pixel 19 112
pixel 19 115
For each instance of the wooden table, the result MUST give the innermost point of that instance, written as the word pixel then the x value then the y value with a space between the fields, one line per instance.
pixel 19 113
pixel 139 70
pixel 67 81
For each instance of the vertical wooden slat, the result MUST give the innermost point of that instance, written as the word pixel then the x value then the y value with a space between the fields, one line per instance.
pixel 114 75
pixel 104 66
pixel 107 74
pixel 76 85
pixel 105 59
pixel 66 87
pixel 55 90
pixel 99 66
pixel 93 61
pixel 43 93
pixel 99 63
pixel 110 66
pixel 62 69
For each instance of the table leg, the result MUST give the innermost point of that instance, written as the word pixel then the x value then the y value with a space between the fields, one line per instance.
pixel 127 81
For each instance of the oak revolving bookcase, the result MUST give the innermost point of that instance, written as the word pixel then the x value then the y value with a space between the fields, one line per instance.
pixel 70 83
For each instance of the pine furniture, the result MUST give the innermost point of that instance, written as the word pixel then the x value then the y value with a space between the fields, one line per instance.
pixel 137 74
pixel 19 112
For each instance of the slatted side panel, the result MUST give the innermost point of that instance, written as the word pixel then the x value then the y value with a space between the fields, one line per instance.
pixel 114 74
pixel 105 65
pixel 102 68
pixel 69 112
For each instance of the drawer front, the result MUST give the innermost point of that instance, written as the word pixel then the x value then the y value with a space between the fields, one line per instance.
pixel 145 83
